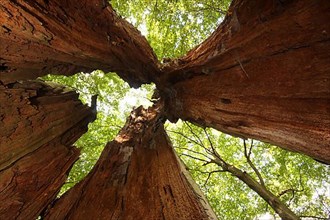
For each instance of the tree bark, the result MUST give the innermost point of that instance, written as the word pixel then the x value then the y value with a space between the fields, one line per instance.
pixel 38 126
pixel 263 74
pixel 40 37
pixel 138 176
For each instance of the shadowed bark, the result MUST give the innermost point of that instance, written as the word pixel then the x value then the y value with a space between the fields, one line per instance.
pixel 65 37
pixel 263 74
pixel 138 176
pixel 38 126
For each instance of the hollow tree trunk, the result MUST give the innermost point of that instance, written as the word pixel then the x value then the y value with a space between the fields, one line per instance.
pixel 38 126
pixel 263 74
pixel 40 37
pixel 138 176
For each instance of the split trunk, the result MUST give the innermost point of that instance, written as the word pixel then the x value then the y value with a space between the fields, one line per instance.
pixel 264 74
pixel 138 176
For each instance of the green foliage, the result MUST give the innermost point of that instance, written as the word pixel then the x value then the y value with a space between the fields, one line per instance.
pixel 302 183
pixel 113 106
pixel 173 27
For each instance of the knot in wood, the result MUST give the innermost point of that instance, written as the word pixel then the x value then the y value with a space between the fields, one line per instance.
pixel 138 127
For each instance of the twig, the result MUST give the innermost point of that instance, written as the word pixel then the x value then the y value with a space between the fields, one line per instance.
pixel 196 136
pixel 192 140
pixel 314 217
pixel 195 158
pixel 247 156
pixel 196 152
pixel 210 174
pixel 185 136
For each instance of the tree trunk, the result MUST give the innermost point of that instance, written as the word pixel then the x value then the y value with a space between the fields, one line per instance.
pixel 263 74
pixel 38 126
pixel 138 176
pixel 40 37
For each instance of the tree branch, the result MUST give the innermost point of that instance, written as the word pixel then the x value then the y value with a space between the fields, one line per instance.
pixel 314 217
pixel 210 174
pixel 192 131
pixel 209 139
pixel 247 155
pixel 195 158
pixel 280 208
pixel 185 136
pixel 192 140
pixel 196 152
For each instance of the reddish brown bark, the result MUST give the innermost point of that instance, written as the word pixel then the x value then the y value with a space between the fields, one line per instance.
pixel 38 126
pixel 137 177
pixel 263 74
pixel 40 37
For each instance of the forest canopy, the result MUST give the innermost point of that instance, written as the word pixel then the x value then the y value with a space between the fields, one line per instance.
pixel 173 28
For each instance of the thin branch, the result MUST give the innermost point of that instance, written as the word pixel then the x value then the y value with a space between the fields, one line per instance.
pixel 292 197
pixel 209 139
pixel 195 158
pixel 210 174
pixel 285 192
pixel 192 131
pixel 292 190
pixel 215 153
pixel 185 136
pixel 289 190
pixel 314 217
pixel 250 150
pixel 192 140
pixel 247 156
pixel 196 152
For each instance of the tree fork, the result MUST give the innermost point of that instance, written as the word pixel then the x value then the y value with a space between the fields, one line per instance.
pixel 138 176
pixel 262 74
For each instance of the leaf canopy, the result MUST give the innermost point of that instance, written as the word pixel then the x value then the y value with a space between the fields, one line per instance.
pixel 173 27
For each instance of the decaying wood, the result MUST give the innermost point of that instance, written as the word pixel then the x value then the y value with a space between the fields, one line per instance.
pixel 38 126
pixel 263 74
pixel 138 176
pixel 40 37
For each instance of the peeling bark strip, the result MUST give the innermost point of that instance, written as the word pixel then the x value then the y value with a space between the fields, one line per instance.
pixel 263 74
pixel 38 126
pixel 40 37
pixel 138 176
